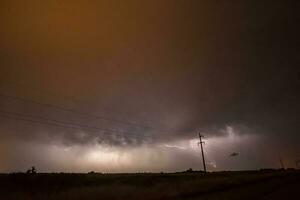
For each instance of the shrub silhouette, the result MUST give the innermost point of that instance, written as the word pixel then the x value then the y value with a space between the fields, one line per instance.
pixel 190 170
pixel 31 171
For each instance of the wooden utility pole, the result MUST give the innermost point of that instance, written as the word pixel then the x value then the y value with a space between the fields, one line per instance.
pixel 297 162
pixel 203 159
pixel 281 162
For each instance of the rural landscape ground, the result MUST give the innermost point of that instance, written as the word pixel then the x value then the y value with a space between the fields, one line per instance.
pixel 262 184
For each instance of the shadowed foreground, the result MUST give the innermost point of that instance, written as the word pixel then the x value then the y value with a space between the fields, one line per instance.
pixel 264 184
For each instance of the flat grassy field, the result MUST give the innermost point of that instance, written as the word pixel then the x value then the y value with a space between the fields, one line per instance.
pixel 263 184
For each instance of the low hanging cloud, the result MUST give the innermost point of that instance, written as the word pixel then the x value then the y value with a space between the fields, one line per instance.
pixel 125 76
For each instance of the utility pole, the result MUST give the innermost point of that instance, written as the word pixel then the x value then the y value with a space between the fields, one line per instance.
pixel 281 162
pixel 203 159
pixel 297 162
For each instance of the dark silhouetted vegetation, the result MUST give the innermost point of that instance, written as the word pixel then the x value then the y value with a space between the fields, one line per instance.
pixel 31 171
pixel 267 183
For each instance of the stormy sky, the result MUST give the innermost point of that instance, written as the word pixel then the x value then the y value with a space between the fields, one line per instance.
pixel 126 86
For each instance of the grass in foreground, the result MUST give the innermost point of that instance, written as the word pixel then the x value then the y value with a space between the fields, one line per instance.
pixel 264 184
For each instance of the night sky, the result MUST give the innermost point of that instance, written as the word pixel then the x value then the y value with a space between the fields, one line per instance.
pixel 126 86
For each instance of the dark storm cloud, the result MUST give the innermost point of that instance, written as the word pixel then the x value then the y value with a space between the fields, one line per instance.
pixel 169 68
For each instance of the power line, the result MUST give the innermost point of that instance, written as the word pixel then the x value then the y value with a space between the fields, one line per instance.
pixel 135 125
pixel 50 93
pixel 71 110
pixel 60 124
pixel 71 99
